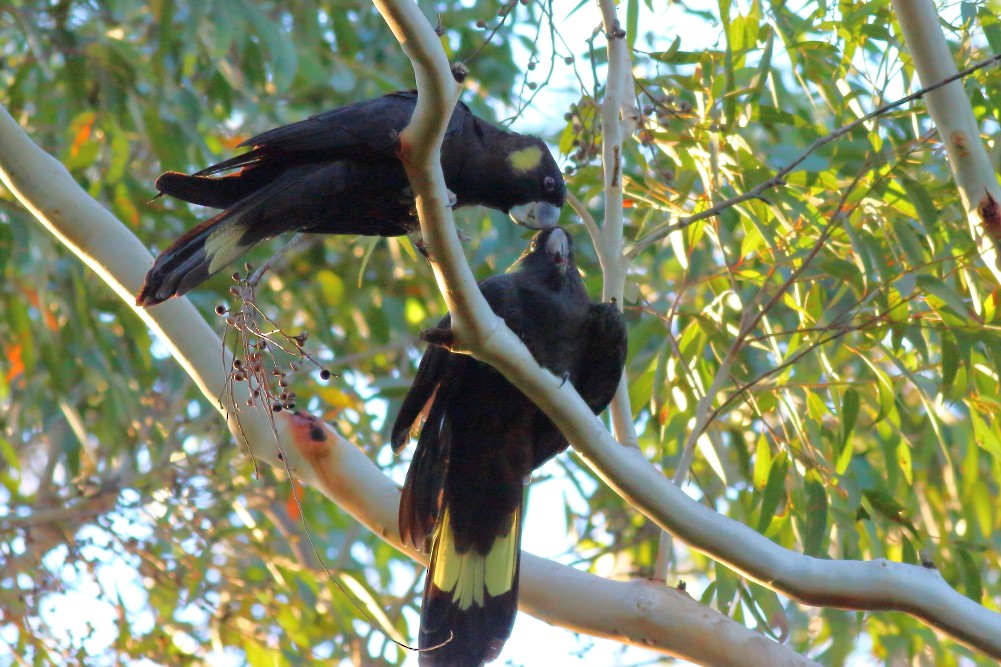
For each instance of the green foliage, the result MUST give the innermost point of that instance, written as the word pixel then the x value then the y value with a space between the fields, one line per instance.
pixel 855 420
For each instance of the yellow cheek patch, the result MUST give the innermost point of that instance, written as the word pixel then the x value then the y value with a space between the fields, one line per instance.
pixel 526 159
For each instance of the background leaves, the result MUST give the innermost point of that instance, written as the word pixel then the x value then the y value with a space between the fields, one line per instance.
pixel 856 419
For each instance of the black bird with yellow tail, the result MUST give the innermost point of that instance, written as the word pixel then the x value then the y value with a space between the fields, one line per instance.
pixel 482 438
pixel 339 173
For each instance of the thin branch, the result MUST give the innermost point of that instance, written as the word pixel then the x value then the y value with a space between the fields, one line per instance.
pixel 592 226
pixel 617 113
pixel 779 177
pixel 950 108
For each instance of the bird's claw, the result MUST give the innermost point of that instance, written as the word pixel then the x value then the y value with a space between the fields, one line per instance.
pixel 422 248
pixel 408 198
pixel 442 337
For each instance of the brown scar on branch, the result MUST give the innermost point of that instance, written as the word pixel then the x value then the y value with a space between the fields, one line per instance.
pixel 959 142
pixel 990 214
pixel 617 164
pixel 308 434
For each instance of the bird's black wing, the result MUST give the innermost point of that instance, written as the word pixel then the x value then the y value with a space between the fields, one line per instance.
pixel 420 503
pixel 430 372
pixel 325 198
pixel 367 131
pixel 438 373
pixel 346 132
pixel 603 357
pixel 596 376
pixel 438 376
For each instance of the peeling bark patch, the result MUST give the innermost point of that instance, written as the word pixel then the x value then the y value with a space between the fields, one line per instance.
pixel 959 142
pixel 308 436
pixel 990 214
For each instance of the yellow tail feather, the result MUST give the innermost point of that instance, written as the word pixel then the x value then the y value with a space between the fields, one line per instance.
pixel 471 576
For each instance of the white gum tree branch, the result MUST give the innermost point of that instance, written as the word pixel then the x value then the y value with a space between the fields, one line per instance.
pixel 861 585
pixel 614 260
pixel 420 152
pixel 615 118
pixel 637 612
pixel 950 109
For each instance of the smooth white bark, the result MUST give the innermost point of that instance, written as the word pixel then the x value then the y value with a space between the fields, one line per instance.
pixel 618 119
pixel 950 108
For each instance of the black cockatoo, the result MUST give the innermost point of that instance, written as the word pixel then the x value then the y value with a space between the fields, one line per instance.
pixel 481 440
pixel 338 173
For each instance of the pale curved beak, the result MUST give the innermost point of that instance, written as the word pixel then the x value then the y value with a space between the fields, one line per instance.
pixel 558 247
pixel 535 215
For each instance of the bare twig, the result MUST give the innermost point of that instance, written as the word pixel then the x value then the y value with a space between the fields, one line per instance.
pixel 779 177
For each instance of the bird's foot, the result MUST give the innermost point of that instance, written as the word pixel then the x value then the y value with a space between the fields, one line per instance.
pixel 440 336
pixel 408 198
pixel 422 248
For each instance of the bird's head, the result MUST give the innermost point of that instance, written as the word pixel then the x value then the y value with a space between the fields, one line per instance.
pixel 535 190
pixel 550 250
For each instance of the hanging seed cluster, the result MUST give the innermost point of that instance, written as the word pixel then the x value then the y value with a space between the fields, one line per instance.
pixel 658 111
pixel 267 358
pixel 662 109
pixel 502 12
pixel 584 119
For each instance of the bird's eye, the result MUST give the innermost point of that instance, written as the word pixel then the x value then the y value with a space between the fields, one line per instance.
pixel 548 183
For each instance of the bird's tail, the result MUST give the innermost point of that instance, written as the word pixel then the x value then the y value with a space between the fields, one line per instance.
pixel 196 256
pixel 470 598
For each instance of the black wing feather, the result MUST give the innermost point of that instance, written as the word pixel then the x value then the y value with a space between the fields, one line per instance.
pixel 420 504
pixel 603 357
pixel 429 374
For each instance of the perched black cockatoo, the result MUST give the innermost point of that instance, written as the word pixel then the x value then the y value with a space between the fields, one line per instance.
pixel 339 173
pixel 481 440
